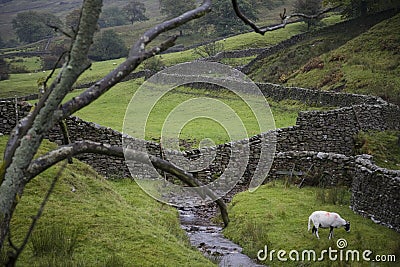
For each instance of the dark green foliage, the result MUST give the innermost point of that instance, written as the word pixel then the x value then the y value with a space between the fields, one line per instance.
pixel 108 45
pixel 154 64
pixel 135 11
pixel 53 60
pixel 32 26
pixel 308 7
pixel 356 8
pixel 72 19
pixel 209 50
pixel 111 17
pixel 50 61
pixel 175 8
pixel 224 19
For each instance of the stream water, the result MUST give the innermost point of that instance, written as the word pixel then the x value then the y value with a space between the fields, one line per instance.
pixel 208 238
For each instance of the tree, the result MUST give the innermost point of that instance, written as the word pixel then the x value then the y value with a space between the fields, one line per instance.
pixel 108 46
pixel 225 21
pixel 20 166
pixel 135 11
pixel 356 8
pixel 31 26
pixel 209 50
pixel 308 7
pixel 173 8
pixel 72 19
pixel 111 17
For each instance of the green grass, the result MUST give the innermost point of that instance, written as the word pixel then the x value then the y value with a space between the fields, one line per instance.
pixel 31 64
pixel 383 146
pixel 114 221
pixel 109 110
pixel 277 216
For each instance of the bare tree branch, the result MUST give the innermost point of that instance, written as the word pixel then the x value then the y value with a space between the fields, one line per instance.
pixel 285 19
pixel 58 29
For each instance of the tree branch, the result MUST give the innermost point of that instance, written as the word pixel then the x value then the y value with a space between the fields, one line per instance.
pixel 46 161
pixel 284 18
pixel 136 56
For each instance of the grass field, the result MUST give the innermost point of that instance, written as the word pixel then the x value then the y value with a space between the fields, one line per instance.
pixel 277 216
pixel 106 223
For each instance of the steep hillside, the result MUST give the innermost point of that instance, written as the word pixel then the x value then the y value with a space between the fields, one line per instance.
pixel 105 223
pixel 368 64
pixel 349 59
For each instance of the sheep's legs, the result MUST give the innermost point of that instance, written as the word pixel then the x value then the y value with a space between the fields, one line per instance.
pixel 331 232
pixel 315 230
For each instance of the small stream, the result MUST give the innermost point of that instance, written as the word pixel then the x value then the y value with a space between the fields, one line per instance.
pixel 208 238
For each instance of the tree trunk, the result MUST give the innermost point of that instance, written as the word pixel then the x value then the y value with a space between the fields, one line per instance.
pixel 14 180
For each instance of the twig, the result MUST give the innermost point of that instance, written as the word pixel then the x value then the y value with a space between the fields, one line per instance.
pixel 54 68
pixel 58 29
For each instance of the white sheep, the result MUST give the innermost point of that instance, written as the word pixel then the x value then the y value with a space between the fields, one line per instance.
pixel 324 219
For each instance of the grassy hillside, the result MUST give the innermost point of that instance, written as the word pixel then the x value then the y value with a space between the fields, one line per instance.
pixel 111 223
pixel 277 216
pixel 341 60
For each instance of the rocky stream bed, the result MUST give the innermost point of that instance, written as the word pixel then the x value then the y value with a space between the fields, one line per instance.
pixel 207 236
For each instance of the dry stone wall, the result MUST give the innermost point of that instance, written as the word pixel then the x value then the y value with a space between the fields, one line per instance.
pixel 318 149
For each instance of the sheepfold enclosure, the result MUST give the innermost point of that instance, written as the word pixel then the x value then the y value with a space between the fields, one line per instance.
pixel 318 150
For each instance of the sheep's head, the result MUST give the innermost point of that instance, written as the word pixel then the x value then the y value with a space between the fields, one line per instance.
pixel 347 226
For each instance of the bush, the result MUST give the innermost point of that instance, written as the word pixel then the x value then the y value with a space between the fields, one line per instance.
pixel 50 61
pixel 154 64
pixel 108 46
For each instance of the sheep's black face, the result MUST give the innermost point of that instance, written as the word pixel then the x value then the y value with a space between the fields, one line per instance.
pixel 347 227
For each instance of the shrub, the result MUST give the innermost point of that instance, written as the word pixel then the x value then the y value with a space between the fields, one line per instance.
pixel 154 64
